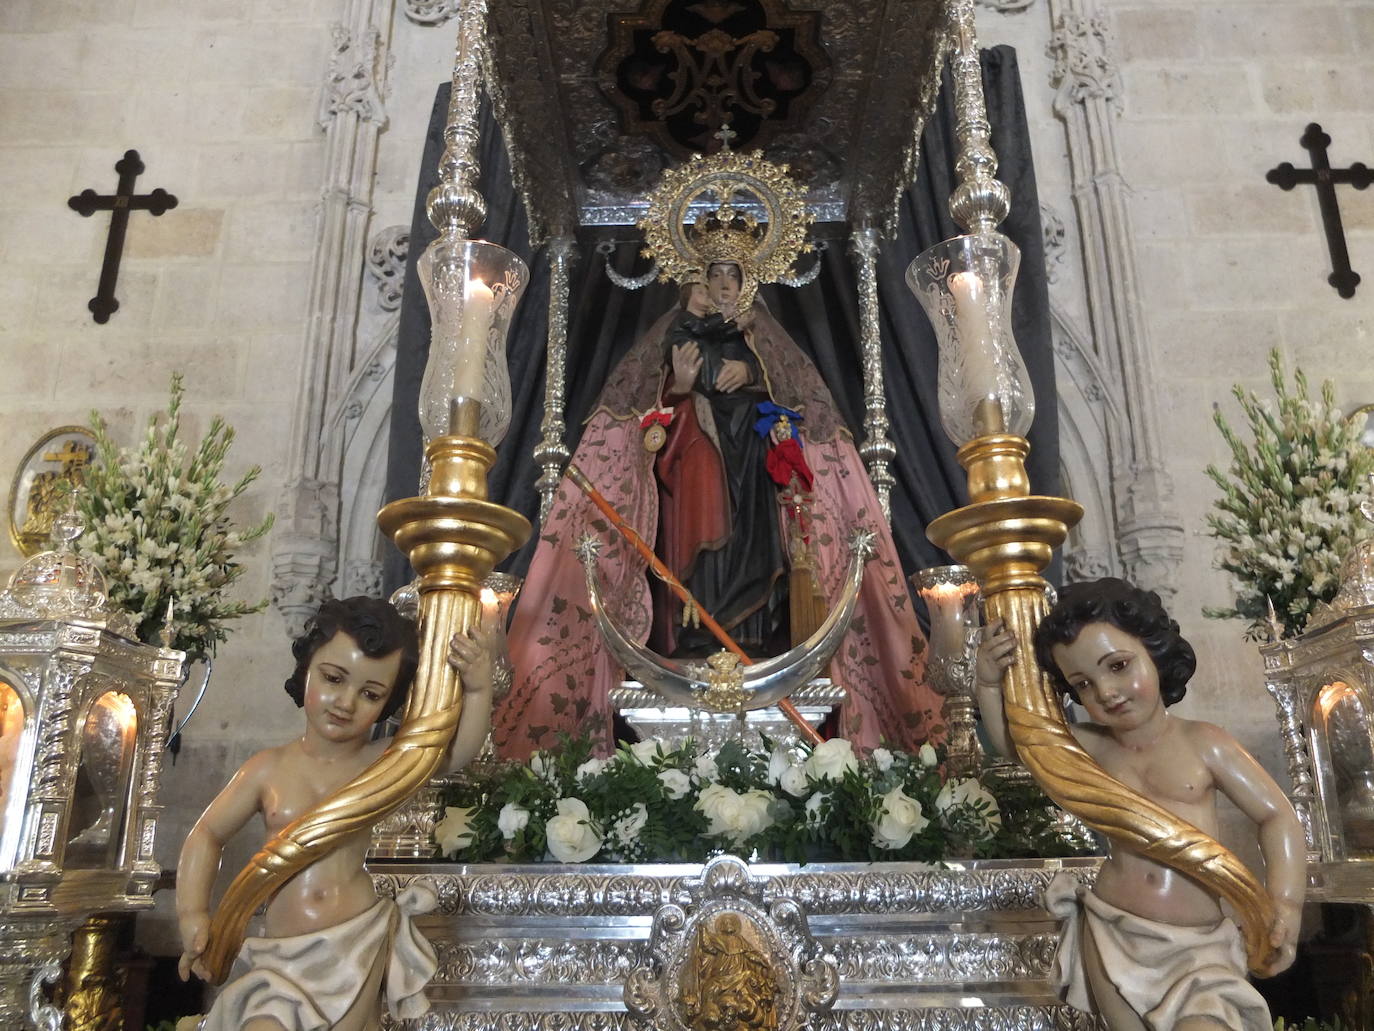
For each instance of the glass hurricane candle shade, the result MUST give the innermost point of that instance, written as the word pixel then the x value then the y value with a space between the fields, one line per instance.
pixel 951 596
pixel 498 592
pixel 472 288
pixel 965 286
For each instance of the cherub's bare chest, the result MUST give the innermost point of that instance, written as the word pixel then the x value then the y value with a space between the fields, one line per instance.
pixel 1164 775
pixel 298 788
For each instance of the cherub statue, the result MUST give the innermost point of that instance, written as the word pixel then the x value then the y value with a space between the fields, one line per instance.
pixel 1149 947
pixel 332 949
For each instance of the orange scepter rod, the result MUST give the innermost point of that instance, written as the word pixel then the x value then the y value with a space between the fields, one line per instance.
pixel 666 575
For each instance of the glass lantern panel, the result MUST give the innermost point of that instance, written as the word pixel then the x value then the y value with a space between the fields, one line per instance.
pixel 1342 718
pixel 101 800
pixel 11 736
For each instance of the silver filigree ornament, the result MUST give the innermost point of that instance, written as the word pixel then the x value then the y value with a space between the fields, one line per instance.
pixel 725 920
pixel 59 583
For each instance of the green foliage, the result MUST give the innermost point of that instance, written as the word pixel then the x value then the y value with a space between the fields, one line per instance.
pixel 157 526
pixel 1290 503
pixel 652 803
pixel 1310 1024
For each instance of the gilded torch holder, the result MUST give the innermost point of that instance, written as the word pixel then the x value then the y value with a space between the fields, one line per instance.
pixel 454 537
pixel 1007 536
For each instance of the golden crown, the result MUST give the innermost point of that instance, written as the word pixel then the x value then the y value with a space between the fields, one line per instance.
pixel 684 240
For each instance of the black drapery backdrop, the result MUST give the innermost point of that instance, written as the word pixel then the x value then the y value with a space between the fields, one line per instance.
pixel 823 317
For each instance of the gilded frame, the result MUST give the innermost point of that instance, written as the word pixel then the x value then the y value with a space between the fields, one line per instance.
pixel 31 540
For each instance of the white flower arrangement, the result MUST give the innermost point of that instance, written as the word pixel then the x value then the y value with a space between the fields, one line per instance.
pixel 652 801
pixel 158 528
pixel 1290 504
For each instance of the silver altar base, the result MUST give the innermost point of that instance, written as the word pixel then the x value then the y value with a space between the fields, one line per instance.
pixel 538 948
pixel 651 716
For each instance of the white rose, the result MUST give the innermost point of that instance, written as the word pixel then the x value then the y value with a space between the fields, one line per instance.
pixel 676 784
pixel 969 792
pixel 705 769
pixel 589 769
pixel 647 752
pixel 829 760
pixel 542 766
pixel 794 781
pixel 626 829
pixel 732 815
pixel 779 763
pixel 512 819
pixel 813 807
pixel 899 820
pixel 571 835
pixel 927 756
pixel 882 758
pixel 454 832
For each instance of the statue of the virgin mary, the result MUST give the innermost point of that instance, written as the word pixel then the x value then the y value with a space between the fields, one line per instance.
pixel 716 439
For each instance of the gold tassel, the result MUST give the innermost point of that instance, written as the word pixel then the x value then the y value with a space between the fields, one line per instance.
pixel 806 603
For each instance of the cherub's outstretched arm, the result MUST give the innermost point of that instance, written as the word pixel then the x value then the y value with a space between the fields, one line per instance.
pixel 200 857
pixel 473 655
pixel 995 654
pixel 1241 779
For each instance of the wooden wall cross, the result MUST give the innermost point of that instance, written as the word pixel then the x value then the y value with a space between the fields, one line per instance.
pixel 121 202
pixel 1325 178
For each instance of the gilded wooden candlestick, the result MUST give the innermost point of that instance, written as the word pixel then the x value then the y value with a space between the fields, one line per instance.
pixel 454 537
pixel 1007 536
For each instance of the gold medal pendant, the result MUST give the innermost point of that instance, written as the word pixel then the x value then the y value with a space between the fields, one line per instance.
pixel 655 436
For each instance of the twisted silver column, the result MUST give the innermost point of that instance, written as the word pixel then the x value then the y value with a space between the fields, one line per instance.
pixel 980 202
pixel 551 454
pixel 455 205
pixel 877 450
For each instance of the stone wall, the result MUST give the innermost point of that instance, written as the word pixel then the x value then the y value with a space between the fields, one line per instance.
pixel 1228 265
pixel 222 99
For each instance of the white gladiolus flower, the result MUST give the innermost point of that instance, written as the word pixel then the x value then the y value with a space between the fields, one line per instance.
pixel 927 756
pixel 882 758
pixel 899 821
pixel 512 819
pixel 705 769
pixel 830 760
pixel 572 837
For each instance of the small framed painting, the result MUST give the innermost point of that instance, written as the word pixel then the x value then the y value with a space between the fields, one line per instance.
pixel 60 456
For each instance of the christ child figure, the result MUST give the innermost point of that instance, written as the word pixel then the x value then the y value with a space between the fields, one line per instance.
pixel 332 950
pixel 1147 946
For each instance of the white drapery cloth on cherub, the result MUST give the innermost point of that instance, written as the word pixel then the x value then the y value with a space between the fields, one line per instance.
pixel 308 982
pixel 1164 971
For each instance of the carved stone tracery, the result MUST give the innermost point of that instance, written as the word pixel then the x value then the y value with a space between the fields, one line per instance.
pixel 386 261
pixel 305 542
pixel 1148 526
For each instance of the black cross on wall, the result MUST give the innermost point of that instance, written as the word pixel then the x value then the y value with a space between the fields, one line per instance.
pixel 1325 178
pixel 121 202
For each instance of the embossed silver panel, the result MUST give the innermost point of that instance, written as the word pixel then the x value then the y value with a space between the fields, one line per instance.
pixel 550 946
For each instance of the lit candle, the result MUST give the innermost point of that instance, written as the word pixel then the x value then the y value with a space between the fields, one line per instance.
pixel 479 305
pixel 974 331
pixel 950 614
pixel 491 607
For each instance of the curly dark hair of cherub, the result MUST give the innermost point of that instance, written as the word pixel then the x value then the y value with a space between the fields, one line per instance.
pixel 379 630
pixel 1138 612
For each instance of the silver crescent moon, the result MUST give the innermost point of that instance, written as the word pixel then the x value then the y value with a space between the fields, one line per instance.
pixel 765 682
